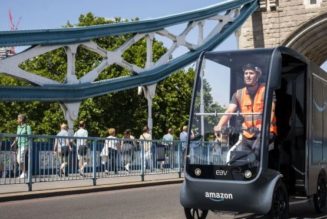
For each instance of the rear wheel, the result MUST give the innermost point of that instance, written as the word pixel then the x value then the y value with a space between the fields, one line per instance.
pixel 192 213
pixel 280 205
pixel 319 199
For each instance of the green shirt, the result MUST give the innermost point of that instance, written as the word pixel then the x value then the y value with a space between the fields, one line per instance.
pixel 23 130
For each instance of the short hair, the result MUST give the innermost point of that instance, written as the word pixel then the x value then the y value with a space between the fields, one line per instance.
pixel 252 67
pixel 112 131
pixel 23 117
pixel 64 126
pixel 185 128
pixel 145 128
pixel 127 132
pixel 81 123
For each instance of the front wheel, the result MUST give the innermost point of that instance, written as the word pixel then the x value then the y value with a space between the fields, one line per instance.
pixel 280 205
pixel 319 199
pixel 192 213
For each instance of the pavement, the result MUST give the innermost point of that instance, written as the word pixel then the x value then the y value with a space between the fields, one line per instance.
pixel 13 192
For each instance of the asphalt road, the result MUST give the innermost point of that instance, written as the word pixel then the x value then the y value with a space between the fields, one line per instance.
pixel 149 202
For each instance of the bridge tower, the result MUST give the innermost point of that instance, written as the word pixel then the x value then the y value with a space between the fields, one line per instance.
pixel 298 24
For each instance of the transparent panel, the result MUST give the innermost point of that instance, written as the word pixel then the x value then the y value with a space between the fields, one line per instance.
pixel 212 98
pixel 227 116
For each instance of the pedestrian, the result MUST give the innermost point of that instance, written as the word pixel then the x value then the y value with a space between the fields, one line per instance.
pixel 61 148
pixel 167 141
pixel 22 144
pixel 110 151
pixel 127 147
pixel 81 146
pixel 146 143
pixel 183 136
pixel 168 137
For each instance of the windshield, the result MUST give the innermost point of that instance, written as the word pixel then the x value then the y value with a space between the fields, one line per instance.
pixel 227 115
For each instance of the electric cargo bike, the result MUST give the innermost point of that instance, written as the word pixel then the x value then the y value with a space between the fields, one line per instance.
pixel 287 164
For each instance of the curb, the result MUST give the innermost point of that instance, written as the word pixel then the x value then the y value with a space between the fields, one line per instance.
pixel 84 190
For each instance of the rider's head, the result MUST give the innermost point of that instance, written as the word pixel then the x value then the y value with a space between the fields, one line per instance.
pixel 251 75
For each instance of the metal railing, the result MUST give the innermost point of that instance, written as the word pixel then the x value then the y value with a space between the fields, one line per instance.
pixel 102 158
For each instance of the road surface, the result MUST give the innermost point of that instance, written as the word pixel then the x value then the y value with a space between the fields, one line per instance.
pixel 147 203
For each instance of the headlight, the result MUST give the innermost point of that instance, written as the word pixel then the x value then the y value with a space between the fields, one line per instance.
pixel 247 174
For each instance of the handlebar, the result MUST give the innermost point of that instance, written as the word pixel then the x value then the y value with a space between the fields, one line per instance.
pixel 237 130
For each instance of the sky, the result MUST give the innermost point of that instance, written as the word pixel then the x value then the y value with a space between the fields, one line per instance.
pixel 48 14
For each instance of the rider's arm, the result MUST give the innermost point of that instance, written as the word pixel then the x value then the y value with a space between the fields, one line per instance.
pixel 225 118
pixel 273 106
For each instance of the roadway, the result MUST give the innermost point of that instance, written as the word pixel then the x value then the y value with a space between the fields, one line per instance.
pixel 147 202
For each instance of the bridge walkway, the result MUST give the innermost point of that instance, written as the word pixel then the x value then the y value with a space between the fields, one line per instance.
pixel 12 192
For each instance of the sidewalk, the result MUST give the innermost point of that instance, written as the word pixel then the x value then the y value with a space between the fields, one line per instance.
pixel 47 189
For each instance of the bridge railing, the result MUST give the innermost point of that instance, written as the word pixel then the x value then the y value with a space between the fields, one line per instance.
pixel 103 158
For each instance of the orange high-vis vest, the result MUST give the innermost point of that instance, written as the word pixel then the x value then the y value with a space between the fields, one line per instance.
pixel 246 106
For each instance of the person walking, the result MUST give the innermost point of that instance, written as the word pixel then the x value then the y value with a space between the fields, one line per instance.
pixel 168 137
pixel 61 148
pixel 167 141
pixel 81 145
pixel 110 151
pixel 22 144
pixel 127 147
pixel 183 137
pixel 146 142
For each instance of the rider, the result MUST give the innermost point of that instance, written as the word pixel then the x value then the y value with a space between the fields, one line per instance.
pixel 250 102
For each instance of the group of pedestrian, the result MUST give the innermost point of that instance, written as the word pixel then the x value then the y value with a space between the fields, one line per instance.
pixel 116 154
pixel 63 146
pixel 119 152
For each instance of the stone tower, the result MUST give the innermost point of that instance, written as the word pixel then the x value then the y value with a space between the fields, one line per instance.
pixel 299 24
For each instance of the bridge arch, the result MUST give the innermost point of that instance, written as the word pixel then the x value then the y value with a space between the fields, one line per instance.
pixel 310 39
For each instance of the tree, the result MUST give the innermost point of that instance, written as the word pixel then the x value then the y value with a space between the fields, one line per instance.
pixel 172 103
pixel 209 107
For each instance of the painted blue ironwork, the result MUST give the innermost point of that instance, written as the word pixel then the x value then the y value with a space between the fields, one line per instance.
pixel 76 35
pixel 76 92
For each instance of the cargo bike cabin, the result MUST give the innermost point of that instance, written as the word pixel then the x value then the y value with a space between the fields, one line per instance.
pixel 256 133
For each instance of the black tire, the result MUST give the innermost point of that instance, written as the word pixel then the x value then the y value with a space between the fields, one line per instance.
pixel 319 199
pixel 192 213
pixel 280 203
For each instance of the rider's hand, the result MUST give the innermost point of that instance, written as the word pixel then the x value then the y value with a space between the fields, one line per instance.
pixel 217 129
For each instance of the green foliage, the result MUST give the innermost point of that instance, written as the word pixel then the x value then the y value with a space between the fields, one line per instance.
pixel 172 102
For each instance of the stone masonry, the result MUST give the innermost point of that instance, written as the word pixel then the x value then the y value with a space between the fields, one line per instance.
pixel 299 24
